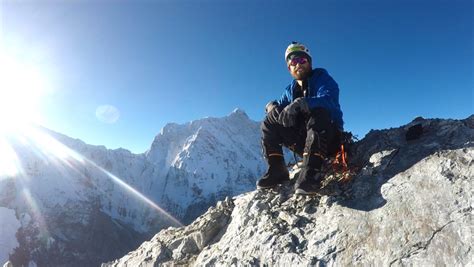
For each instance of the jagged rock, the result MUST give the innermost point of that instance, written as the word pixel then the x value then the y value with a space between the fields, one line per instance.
pixel 409 204
pixel 182 245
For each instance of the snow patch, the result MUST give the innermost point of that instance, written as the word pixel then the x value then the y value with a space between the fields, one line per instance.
pixel 9 226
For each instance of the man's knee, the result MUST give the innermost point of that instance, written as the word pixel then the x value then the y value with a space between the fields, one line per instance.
pixel 320 119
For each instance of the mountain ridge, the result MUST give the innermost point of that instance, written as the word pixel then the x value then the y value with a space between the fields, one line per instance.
pixel 410 204
pixel 120 194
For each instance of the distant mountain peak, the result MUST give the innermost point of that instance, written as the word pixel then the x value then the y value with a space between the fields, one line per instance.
pixel 239 112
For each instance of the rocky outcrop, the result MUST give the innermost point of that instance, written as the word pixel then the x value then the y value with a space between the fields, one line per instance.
pixel 410 203
pixel 181 246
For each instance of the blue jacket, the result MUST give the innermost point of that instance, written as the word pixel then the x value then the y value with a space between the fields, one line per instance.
pixel 323 92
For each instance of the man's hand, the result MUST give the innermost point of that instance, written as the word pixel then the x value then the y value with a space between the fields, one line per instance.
pixel 270 106
pixel 290 113
pixel 272 110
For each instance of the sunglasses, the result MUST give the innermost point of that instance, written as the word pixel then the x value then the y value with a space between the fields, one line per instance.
pixel 298 60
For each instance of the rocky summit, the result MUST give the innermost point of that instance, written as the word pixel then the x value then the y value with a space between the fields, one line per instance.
pixel 409 204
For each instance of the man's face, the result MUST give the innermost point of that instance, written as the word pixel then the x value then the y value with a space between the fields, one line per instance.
pixel 299 67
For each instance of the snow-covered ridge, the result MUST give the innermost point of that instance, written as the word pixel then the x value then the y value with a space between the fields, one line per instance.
pixel 77 194
pixel 211 157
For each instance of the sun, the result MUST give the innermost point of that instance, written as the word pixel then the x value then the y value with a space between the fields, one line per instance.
pixel 22 85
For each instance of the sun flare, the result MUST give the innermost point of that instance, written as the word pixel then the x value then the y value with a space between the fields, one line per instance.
pixel 22 85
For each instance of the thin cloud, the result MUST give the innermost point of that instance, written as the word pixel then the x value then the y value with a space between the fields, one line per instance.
pixel 107 114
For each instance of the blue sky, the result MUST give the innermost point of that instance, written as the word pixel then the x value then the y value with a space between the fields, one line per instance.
pixel 177 61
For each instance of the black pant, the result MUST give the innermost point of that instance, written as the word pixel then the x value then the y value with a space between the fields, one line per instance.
pixel 300 138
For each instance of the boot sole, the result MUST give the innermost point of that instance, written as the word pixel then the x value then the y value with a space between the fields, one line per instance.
pixel 272 187
pixel 286 182
pixel 300 191
pixel 267 187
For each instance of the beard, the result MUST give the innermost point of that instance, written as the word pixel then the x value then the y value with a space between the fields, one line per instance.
pixel 302 73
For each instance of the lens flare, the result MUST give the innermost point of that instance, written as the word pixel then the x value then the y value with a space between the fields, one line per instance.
pixel 49 149
pixel 139 195
pixel 22 86
pixel 9 164
pixel 35 211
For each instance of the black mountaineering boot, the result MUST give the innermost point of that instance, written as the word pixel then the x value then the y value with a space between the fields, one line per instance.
pixel 276 174
pixel 310 177
pixel 309 181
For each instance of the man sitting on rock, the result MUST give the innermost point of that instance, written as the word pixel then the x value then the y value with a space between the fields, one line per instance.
pixel 307 119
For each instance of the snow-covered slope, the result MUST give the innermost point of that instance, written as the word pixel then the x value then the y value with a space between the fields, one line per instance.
pixel 206 160
pixel 86 204
pixel 10 225
pixel 71 208
pixel 409 205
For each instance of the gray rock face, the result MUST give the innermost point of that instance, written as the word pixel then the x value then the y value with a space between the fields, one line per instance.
pixel 410 204
pixel 182 245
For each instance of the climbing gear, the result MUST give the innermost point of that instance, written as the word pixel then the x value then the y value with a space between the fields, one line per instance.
pixel 337 166
pixel 340 163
